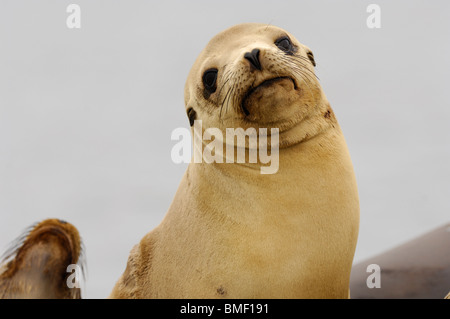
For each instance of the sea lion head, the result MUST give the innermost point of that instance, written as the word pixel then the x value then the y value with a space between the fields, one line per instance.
pixel 256 75
pixel 36 265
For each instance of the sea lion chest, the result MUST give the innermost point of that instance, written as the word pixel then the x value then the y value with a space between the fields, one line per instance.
pixel 239 234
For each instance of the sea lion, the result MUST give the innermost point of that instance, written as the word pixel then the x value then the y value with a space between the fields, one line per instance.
pixel 232 232
pixel 417 269
pixel 35 267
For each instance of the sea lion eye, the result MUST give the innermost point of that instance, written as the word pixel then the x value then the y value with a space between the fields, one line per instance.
pixel 209 80
pixel 284 44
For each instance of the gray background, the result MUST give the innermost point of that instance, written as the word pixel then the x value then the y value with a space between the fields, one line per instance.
pixel 86 115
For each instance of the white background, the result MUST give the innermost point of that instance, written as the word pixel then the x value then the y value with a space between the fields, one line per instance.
pixel 86 115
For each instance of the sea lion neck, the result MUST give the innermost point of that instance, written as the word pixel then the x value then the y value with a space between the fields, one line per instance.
pixel 291 158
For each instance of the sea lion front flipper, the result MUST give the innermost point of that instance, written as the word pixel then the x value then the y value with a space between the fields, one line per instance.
pixel 36 266
pixel 126 286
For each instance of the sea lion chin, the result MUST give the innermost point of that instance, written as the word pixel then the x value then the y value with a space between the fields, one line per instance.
pixel 260 103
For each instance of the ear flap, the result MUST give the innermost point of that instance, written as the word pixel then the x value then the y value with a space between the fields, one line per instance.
pixel 192 115
pixel 311 57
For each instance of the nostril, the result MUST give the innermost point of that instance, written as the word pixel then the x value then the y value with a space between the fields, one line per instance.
pixel 253 57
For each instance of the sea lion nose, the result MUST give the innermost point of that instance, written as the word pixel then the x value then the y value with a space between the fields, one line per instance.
pixel 253 57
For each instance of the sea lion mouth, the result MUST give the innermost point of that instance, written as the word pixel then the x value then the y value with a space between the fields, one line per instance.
pixel 262 85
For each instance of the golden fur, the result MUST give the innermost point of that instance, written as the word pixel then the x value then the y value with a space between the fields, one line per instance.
pixel 232 232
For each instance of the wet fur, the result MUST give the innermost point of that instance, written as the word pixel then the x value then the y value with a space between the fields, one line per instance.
pixel 35 265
